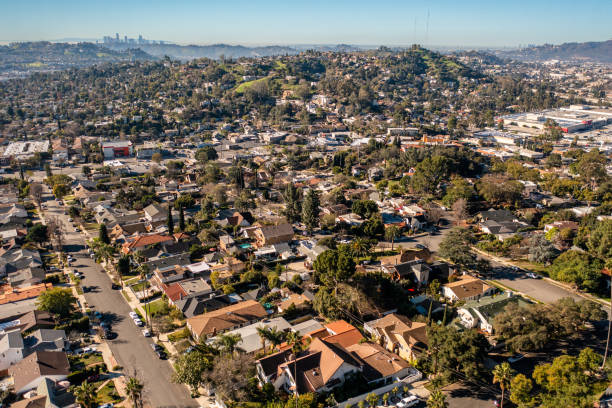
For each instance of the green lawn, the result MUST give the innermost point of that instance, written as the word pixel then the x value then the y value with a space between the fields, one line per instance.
pixel 137 287
pixel 157 306
pixel 108 393
pixel 83 361
pixel 245 85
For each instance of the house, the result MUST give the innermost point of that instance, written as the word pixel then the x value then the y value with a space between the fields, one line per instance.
pixel 142 241
pixel 273 234
pixel 155 213
pixel 321 368
pixel 501 223
pixel 48 340
pixel 26 277
pixel 47 395
pixel 297 300
pixel 466 288
pixel 12 348
pixel 481 312
pixel 227 243
pixel 416 271
pixel 227 318
pixel 196 305
pixel 326 365
pixel 375 173
pixel 33 320
pixel 33 369
pixel 250 341
pixel 399 335
pixel 561 225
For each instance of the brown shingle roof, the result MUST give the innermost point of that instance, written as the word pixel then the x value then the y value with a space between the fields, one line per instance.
pixel 37 364
pixel 226 318
pixel 468 287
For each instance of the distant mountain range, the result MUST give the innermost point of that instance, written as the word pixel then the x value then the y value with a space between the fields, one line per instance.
pixel 187 52
pixel 591 51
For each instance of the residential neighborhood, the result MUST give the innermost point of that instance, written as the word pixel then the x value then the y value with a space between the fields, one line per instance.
pixel 342 229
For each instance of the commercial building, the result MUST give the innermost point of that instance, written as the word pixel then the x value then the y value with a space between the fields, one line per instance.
pixel 120 148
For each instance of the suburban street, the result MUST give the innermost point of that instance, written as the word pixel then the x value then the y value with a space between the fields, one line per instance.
pixel 131 349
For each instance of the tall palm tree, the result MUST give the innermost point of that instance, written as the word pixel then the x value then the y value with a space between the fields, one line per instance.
pixel 143 272
pixel 134 390
pixel 263 333
pixel 502 374
pixel 294 339
pixel 437 399
pixel 360 247
pixel 86 395
pixel 275 337
pixel 227 342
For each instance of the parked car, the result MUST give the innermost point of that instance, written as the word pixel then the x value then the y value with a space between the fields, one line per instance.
pixel 134 315
pixel 407 402
pixel 138 322
pixel 146 333
pixel 533 275
pixel 86 289
pixel 114 286
pixel 161 355
pixel 157 347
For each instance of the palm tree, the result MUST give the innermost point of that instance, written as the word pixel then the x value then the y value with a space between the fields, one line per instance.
pixel 391 233
pixel 360 247
pixel 434 288
pixel 294 340
pixel 502 374
pixel 437 399
pixel 143 272
pixel 263 333
pixel 134 390
pixel 275 337
pixel 227 342
pixel 86 395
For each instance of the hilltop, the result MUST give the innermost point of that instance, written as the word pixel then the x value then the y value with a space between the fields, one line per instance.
pixel 600 51
pixel 19 59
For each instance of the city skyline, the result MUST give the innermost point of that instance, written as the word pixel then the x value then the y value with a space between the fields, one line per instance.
pixel 268 22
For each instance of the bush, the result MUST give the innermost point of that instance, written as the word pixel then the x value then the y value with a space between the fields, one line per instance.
pixel 179 335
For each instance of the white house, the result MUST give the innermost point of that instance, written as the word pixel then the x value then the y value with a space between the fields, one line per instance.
pixel 11 349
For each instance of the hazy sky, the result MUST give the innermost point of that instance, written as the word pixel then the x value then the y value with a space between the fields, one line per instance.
pixel 373 22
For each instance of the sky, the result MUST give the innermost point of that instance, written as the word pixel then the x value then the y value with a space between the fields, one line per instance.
pixel 265 22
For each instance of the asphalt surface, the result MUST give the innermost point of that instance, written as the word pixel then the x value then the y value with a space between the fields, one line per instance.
pixel 539 289
pixel 131 349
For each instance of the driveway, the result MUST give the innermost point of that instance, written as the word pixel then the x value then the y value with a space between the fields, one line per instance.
pixel 131 350
pixel 466 395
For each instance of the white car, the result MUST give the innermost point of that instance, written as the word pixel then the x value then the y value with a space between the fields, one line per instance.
pixel 407 402
pixel 134 315
pixel 146 333
pixel 138 322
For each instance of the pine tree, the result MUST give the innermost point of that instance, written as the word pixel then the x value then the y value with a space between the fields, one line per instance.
pixel 293 206
pixel 181 219
pixel 170 221
pixel 103 234
pixel 310 210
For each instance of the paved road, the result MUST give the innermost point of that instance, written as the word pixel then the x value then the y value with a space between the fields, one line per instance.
pixel 539 289
pixel 130 348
